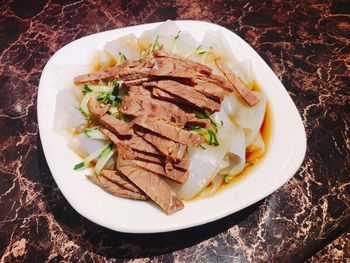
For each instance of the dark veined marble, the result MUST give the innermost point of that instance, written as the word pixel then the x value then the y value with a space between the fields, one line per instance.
pixel 337 251
pixel 307 44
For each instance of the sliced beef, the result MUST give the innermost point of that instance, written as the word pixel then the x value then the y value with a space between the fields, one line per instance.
pixel 174 174
pixel 194 121
pixel 217 80
pixel 132 74
pixel 170 67
pixel 123 146
pixel 182 104
pixel 118 178
pixel 115 189
pixel 135 82
pixel 141 144
pixel 148 157
pixel 97 109
pixel 107 74
pixel 151 167
pixel 136 70
pixel 169 131
pixel 183 164
pixel 210 90
pixel 153 186
pixel 128 70
pixel 147 106
pixel 247 95
pixel 163 95
pixel 111 123
pixel 116 126
pixel 197 66
pixel 138 90
pixel 172 150
pixel 186 93
pixel 136 147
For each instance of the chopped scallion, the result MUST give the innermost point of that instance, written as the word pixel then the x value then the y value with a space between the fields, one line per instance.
pixel 79 165
pixel 201 51
pixel 213 138
pixel 104 158
pixel 178 35
pixel 89 119
pixel 208 134
pixel 93 156
pixel 155 44
pixel 122 57
pixel 202 147
pixel 97 88
pixel 86 89
pixel 175 42
pixel 117 102
pixel 84 104
pixel 106 98
pixel 95 133
pixel 227 179
pixel 113 111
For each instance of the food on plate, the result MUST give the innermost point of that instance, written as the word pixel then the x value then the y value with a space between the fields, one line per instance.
pixel 164 117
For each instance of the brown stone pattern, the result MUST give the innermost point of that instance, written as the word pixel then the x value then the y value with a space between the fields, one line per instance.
pixel 337 251
pixel 307 44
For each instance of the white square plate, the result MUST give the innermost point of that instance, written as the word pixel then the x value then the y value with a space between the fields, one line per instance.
pixel 284 156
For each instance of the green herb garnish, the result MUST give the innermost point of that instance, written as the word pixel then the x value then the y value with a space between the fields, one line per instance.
pixel 115 97
pixel 89 119
pixel 122 57
pixel 114 112
pixel 227 179
pixel 208 134
pixel 86 89
pixel 178 35
pixel 213 140
pixel 202 51
pixel 78 166
pixel 117 102
pixel 206 115
pixel 94 155
pixel 156 44
pixel 115 84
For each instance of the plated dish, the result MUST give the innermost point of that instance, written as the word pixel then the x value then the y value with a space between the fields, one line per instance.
pixel 163 114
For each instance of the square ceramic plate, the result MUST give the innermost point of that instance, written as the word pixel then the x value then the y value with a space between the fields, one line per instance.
pixel 284 156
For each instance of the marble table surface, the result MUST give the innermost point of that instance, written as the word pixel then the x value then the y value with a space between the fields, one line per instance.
pixel 307 44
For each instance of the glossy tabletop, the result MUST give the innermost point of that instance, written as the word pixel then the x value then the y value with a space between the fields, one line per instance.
pixel 307 44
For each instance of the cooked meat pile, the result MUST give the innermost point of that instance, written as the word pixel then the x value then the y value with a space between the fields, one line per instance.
pixel 164 91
